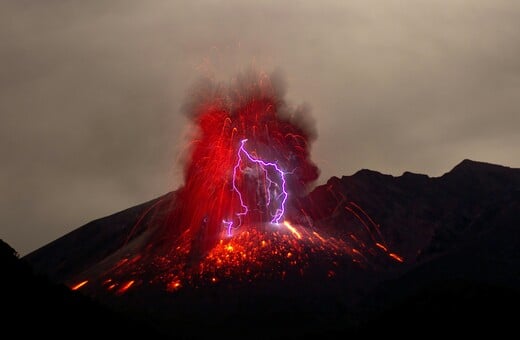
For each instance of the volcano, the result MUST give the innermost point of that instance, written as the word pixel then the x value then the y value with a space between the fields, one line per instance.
pixel 247 246
pixel 361 250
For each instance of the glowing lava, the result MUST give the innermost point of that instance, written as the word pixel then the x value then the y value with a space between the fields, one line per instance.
pixel 79 285
pixel 264 252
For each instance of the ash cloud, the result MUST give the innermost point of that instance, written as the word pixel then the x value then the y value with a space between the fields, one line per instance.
pixel 240 90
pixel 208 95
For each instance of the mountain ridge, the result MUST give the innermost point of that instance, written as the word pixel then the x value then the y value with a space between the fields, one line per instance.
pixel 410 237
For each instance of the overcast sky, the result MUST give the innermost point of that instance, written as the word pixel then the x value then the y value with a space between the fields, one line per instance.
pixel 91 92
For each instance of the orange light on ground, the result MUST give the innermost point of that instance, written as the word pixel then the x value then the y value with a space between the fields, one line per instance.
pixel 174 285
pixel 248 253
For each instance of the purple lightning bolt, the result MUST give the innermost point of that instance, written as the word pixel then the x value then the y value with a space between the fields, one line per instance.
pixel 278 215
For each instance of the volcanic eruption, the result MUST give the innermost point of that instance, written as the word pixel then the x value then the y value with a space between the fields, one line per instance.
pixel 250 153
pixel 247 247
pixel 242 214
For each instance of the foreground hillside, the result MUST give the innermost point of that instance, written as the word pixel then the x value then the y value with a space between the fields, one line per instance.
pixel 33 305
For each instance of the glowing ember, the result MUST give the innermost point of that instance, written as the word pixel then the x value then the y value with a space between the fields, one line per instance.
pixel 79 285
pixel 396 257
pixel 125 287
pixel 174 285
pixel 293 230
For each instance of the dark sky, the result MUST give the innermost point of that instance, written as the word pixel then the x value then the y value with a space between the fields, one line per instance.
pixel 91 92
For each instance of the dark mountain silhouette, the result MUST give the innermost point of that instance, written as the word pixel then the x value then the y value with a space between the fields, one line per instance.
pixel 439 253
pixel 33 305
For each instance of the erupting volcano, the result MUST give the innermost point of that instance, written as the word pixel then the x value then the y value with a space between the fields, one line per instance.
pixel 249 159
pixel 248 247
pixel 242 215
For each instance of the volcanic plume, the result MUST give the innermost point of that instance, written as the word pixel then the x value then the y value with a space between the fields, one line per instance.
pixel 249 157
pixel 242 214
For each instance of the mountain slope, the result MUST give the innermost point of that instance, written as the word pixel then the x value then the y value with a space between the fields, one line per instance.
pixel 357 250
